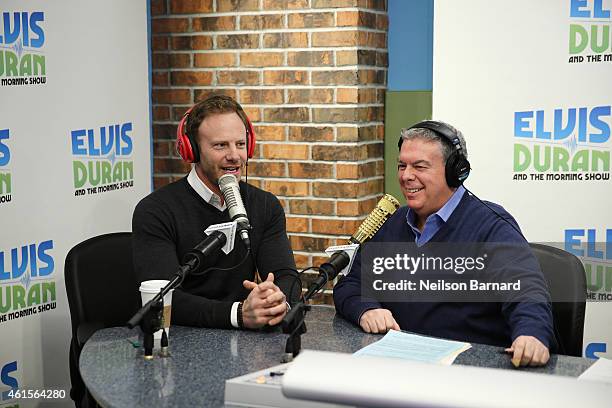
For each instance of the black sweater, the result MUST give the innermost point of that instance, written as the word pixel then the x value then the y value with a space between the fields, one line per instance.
pixel 171 221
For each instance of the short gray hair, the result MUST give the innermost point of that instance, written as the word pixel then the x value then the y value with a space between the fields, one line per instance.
pixel 429 135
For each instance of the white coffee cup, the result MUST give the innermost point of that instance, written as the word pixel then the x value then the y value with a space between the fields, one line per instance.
pixel 150 288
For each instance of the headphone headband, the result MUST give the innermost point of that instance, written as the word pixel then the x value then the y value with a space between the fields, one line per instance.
pixel 439 128
pixel 457 167
pixel 187 146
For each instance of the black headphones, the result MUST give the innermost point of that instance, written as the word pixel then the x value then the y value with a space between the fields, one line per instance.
pixel 457 167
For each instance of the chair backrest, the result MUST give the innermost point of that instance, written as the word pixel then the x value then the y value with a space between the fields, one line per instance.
pixel 100 281
pixel 567 283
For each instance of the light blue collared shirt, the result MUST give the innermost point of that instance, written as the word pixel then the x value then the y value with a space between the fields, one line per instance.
pixel 435 221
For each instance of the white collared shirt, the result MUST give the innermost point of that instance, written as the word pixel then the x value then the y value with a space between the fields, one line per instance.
pixel 202 189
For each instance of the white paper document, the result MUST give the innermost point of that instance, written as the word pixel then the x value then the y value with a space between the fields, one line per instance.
pixel 413 347
pixel 600 371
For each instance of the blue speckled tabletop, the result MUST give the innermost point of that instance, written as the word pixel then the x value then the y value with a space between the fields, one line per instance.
pixel 202 359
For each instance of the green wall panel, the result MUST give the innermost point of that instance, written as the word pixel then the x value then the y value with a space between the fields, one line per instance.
pixel 402 109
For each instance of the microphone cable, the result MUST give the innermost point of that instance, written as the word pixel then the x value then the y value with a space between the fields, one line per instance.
pixel 496 213
pixel 246 207
pixel 246 187
pixel 215 268
pixel 295 279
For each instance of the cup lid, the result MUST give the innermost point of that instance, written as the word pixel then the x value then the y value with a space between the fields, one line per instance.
pixel 153 285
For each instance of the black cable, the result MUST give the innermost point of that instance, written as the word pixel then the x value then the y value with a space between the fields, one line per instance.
pixel 315 268
pixel 296 278
pixel 246 194
pixel 213 268
pixel 496 213
pixel 246 207
pixel 246 187
pixel 246 178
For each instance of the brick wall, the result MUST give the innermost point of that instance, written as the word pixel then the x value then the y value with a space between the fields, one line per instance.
pixel 311 75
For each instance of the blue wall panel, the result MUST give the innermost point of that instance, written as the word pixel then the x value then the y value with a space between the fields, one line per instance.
pixel 410 45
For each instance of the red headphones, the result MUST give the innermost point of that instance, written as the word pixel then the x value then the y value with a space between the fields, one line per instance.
pixel 187 147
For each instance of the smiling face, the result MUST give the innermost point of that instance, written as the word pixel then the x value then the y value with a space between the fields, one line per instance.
pixel 223 150
pixel 420 171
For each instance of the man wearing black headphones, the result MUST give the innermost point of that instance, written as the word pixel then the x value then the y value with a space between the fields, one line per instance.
pixel 431 169
pixel 218 138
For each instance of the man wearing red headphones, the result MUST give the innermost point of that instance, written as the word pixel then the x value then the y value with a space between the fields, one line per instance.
pixel 217 137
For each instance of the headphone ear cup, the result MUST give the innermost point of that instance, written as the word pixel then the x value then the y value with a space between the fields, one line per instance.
pixel 250 137
pixel 184 147
pixel 457 170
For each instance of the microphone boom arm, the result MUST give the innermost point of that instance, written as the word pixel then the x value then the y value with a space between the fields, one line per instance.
pixel 293 322
pixel 192 261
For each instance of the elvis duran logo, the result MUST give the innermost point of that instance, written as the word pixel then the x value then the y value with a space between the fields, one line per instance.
pixel 22 59
pixel 570 144
pixel 589 31
pixel 8 378
pixel 101 159
pixel 596 256
pixel 592 349
pixel 27 285
pixel 5 173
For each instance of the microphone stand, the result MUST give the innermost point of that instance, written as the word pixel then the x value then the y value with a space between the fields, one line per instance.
pixel 151 322
pixel 293 323
pixel 150 316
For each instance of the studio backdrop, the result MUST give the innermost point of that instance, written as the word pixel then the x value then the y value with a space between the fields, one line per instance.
pixel 530 85
pixel 74 161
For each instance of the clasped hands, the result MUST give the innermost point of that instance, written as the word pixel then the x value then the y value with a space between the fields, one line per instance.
pixel 265 305
pixel 525 350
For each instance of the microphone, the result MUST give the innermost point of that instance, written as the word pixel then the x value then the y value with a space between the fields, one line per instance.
pixel 341 259
pixel 329 270
pixel 231 193
pixel 377 217
pixel 211 243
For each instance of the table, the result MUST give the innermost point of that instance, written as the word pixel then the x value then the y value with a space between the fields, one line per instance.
pixel 202 359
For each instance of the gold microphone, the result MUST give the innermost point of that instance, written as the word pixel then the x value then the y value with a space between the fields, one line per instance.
pixel 383 210
pixel 340 259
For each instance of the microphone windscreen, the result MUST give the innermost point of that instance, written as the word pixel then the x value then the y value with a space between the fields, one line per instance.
pixel 383 210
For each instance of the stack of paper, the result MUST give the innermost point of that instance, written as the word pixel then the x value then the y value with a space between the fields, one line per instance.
pixel 407 346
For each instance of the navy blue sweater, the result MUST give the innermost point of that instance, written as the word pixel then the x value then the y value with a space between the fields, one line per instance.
pixel 496 323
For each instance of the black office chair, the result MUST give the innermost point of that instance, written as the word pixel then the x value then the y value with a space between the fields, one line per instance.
pixel 567 283
pixel 102 292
